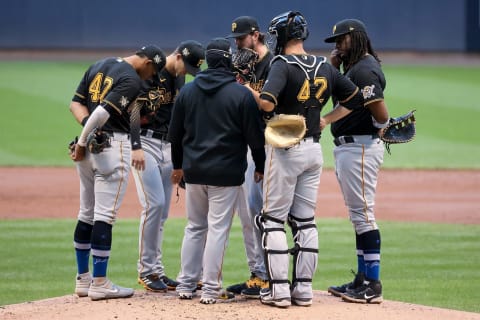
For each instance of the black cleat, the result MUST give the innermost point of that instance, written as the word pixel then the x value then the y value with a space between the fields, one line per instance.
pixel 369 292
pixel 153 283
pixel 337 291
pixel 170 283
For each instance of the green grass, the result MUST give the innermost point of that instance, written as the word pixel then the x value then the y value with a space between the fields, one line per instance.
pixel 36 124
pixel 428 264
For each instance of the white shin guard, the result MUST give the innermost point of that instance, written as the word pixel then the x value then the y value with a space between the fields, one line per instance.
pixel 274 242
pixel 305 255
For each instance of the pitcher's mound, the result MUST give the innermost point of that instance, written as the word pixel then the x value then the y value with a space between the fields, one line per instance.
pixel 144 305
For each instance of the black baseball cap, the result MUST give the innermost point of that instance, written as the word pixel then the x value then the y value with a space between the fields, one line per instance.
pixel 193 55
pixel 155 54
pixel 242 26
pixel 219 53
pixel 344 27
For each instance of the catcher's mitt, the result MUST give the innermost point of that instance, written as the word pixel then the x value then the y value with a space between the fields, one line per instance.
pixel 97 141
pixel 243 63
pixel 285 130
pixel 399 130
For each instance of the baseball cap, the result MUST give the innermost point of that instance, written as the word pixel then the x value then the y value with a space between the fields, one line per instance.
pixel 155 54
pixel 193 55
pixel 219 53
pixel 344 27
pixel 242 26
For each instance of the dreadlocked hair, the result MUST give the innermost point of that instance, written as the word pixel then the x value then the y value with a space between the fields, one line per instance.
pixel 360 46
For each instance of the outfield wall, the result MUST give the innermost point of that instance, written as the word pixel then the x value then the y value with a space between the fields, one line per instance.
pixel 419 25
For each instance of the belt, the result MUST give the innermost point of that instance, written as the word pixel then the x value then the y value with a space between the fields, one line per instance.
pixel 352 139
pixel 153 134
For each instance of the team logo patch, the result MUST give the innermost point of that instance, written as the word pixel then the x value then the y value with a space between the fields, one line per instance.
pixel 234 26
pixel 157 59
pixel 185 52
pixel 367 91
pixel 124 101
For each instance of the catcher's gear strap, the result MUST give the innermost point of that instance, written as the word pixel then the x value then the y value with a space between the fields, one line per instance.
pixel 274 234
pixel 316 64
pixel 310 71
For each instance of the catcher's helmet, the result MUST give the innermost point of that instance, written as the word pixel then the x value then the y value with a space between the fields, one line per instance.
pixel 287 26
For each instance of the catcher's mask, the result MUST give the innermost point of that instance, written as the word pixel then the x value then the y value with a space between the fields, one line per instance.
pixel 284 27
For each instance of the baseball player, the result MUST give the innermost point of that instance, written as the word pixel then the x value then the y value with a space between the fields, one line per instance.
pixel 214 121
pixel 247 34
pixel 153 184
pixel 359 154
pixel 297 83
pixel 102 100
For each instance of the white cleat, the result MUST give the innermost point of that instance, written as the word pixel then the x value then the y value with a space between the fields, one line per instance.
pixel 82 284
pixel 108 290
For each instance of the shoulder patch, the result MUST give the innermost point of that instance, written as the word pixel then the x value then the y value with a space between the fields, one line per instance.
pixel 367 91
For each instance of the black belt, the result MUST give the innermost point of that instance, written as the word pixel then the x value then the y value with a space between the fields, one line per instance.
pixel 153 134
pixel 343 140
pixel 348 139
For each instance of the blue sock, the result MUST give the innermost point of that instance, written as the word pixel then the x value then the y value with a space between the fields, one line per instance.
pixel 83 257
pixel 360 262
pixel 81 242
pixel 100 265
pixel 372 271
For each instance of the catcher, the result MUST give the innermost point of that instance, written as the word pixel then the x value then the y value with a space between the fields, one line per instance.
pixel 299 85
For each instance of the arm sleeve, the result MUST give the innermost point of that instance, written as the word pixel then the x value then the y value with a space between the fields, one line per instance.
pixel 135 125
pixel 96 120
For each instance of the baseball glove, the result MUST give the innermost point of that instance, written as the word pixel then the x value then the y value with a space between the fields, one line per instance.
pixel 97 141
pixel 285 130
pixel 399 130
pixel 243 62
pixel 71 146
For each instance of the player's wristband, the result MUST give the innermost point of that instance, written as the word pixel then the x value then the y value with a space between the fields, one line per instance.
pixel 379 125
pixel 84 120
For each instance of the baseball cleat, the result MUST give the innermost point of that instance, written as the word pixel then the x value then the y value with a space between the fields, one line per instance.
pixel 370 292
pixel 108 290
pixel 254 281
pixel 170 283
pixel 208 300
pixel 185 295
pixel 267 298
pixel 337 291
pixel 254 291
pixel 82 284
pixel 303 302
pixel 153 283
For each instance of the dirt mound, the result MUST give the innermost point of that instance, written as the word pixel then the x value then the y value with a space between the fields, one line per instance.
pixel 156 306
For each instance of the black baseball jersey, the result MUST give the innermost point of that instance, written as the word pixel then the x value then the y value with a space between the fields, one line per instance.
pixel 367 74
pixel 261 72
pixel 156 116
pixel 113 83
pixel 302 84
